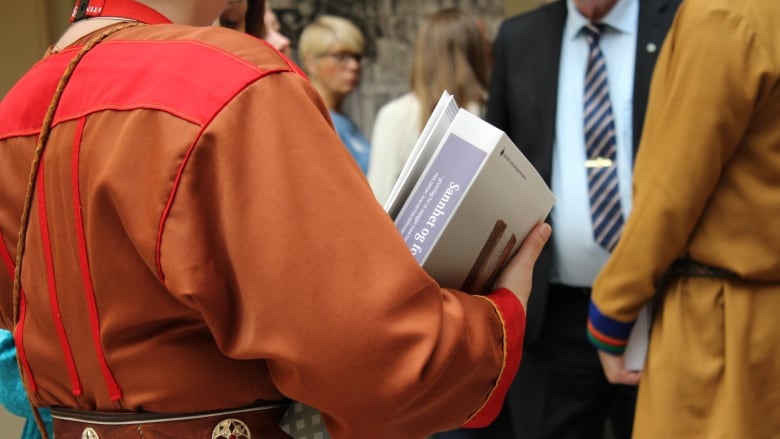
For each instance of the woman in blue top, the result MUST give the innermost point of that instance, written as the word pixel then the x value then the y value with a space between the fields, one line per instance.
pixel 330 49
pixel 12 394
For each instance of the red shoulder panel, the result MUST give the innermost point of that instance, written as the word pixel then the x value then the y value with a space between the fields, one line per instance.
pixel 188 79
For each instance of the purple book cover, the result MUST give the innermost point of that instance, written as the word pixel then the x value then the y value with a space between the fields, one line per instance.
pixel 437 194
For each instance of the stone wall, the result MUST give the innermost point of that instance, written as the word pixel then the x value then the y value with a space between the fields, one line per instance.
pixel 390 27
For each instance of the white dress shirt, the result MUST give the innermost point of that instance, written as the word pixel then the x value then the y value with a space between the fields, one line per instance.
pixel 578 258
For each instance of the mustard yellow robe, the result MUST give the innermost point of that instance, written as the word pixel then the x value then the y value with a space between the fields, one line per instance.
pixel 707 186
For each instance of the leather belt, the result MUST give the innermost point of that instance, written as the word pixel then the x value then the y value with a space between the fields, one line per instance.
pixel 685 267
pixel 258 422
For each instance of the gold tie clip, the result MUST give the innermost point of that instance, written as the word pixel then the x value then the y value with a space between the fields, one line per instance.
pixel 598 162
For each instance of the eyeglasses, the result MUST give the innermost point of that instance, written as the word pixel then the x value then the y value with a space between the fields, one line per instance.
pixel 344 57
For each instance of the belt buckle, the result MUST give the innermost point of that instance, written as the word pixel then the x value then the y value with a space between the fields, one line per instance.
pixel 231 428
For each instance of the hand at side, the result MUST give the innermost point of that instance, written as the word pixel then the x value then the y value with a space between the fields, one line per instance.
pixel 615 370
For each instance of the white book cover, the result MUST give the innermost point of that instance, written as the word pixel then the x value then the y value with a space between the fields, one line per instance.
pixel 636 350
pixel 472 205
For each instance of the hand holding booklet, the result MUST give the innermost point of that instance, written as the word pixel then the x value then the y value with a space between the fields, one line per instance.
pixel 466 198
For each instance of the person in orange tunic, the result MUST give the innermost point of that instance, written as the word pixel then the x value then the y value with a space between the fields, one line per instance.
pixel 197 248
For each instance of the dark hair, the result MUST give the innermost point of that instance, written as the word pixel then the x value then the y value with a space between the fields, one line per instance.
pixel 451 53
pixel 255 25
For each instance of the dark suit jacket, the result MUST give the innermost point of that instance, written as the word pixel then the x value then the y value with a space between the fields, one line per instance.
pixel 524 92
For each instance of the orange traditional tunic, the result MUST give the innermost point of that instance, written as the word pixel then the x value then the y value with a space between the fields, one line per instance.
pixel 200 239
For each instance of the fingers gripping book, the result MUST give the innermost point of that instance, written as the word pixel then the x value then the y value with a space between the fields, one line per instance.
pixel 466 199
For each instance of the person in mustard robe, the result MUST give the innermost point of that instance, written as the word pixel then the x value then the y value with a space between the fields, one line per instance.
pixel 703 239
pixel 198 248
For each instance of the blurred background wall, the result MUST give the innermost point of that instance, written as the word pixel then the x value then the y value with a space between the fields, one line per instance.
pixel 28 27
pixel 390 27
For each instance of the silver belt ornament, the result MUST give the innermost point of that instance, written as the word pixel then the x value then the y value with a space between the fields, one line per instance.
pixel 231 428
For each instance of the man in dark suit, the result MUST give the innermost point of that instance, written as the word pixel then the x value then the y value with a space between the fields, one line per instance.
pixel 539 96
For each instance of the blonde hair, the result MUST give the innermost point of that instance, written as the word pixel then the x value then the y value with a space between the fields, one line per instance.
pixel 327 32
pixel 451 53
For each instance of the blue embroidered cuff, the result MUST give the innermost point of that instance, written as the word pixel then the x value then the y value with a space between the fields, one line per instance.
pixel 607 334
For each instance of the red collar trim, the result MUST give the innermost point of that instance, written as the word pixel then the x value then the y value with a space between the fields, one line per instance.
pixel 117 8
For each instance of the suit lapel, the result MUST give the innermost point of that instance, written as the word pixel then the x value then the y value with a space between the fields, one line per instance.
pixel 655 16
pixel 547 44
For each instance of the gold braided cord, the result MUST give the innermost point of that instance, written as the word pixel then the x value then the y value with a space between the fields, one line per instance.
pixel 39 421
pixel 43 138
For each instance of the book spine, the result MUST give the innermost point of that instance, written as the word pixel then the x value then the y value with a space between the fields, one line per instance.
pixel 437 194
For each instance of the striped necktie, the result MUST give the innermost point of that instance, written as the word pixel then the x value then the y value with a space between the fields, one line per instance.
pixel 600 146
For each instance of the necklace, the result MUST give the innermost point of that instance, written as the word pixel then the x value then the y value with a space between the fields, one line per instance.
pixel 80 29
pixel 92 15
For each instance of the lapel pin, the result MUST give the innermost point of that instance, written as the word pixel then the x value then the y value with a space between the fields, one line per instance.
pixel 651 47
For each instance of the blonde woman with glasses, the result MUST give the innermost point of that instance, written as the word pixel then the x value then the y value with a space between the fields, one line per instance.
pixel 331 49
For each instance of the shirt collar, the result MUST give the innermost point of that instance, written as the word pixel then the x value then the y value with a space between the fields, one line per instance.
pixel 621 18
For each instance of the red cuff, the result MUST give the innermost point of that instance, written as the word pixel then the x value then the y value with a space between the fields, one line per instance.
pixel 512 315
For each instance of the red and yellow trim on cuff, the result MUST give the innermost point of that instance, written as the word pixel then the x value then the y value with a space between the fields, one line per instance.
pixel 607 334
pixel 512 314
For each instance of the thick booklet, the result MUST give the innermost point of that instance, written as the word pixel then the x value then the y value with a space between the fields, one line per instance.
pixel 466 199
pixel 639 340
pixel 433 131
